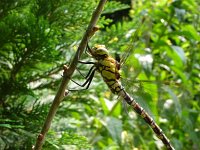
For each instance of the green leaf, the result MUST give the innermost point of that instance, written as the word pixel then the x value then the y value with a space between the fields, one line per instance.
pixel 104 105
pixel 181 55
pixel 180 73
pixel 114 127
pixel 113 6
pixel 175 100
pixel 6 126
pixel 191 32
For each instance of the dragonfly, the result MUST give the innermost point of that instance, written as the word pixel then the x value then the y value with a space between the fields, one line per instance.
pixel 109 69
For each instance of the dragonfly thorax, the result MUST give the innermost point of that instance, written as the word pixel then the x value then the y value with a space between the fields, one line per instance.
pixel 107 66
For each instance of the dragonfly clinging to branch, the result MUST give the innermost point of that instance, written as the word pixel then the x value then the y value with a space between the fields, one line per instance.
pixel 109 68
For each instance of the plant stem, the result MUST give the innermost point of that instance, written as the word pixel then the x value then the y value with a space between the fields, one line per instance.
pixel 67 75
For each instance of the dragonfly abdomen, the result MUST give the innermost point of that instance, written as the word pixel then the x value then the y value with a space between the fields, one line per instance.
pixel 114 86
pixel 147 118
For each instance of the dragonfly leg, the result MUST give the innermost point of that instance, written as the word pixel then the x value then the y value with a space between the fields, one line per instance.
pixel 89 62
pixel 88 49
pixel 90 77
pixel 80 73
pixel 84 63
pixel 87 82
pixel 88 74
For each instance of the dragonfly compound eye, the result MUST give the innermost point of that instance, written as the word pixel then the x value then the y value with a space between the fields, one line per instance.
pixel 100 51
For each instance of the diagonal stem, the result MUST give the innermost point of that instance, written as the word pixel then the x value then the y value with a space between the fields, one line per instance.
pixel 67 75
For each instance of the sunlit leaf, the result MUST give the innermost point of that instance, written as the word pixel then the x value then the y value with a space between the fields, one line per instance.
pixel 114 127
pixel 180 53
pixel 175 100
pixel 104 105
pixel 6 125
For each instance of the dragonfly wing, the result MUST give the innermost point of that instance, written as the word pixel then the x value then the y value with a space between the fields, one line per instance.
pixel 131 47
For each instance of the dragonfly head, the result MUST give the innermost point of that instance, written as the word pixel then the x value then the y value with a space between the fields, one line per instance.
pixel 99 52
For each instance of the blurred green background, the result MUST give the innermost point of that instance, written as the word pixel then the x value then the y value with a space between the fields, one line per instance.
pixel 162 72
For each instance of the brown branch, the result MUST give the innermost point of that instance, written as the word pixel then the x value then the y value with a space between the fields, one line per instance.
pixel 67 75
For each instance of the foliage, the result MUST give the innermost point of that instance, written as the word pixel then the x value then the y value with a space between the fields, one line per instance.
pixel 67 140
pixel 37 37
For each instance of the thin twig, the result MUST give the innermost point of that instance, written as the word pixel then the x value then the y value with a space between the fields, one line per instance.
pixel 67 75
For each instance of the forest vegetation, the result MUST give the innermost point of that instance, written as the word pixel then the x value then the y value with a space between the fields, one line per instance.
pixel 161 40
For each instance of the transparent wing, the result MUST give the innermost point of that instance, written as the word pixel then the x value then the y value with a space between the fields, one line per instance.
pixel 150 94
pixel 131 46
